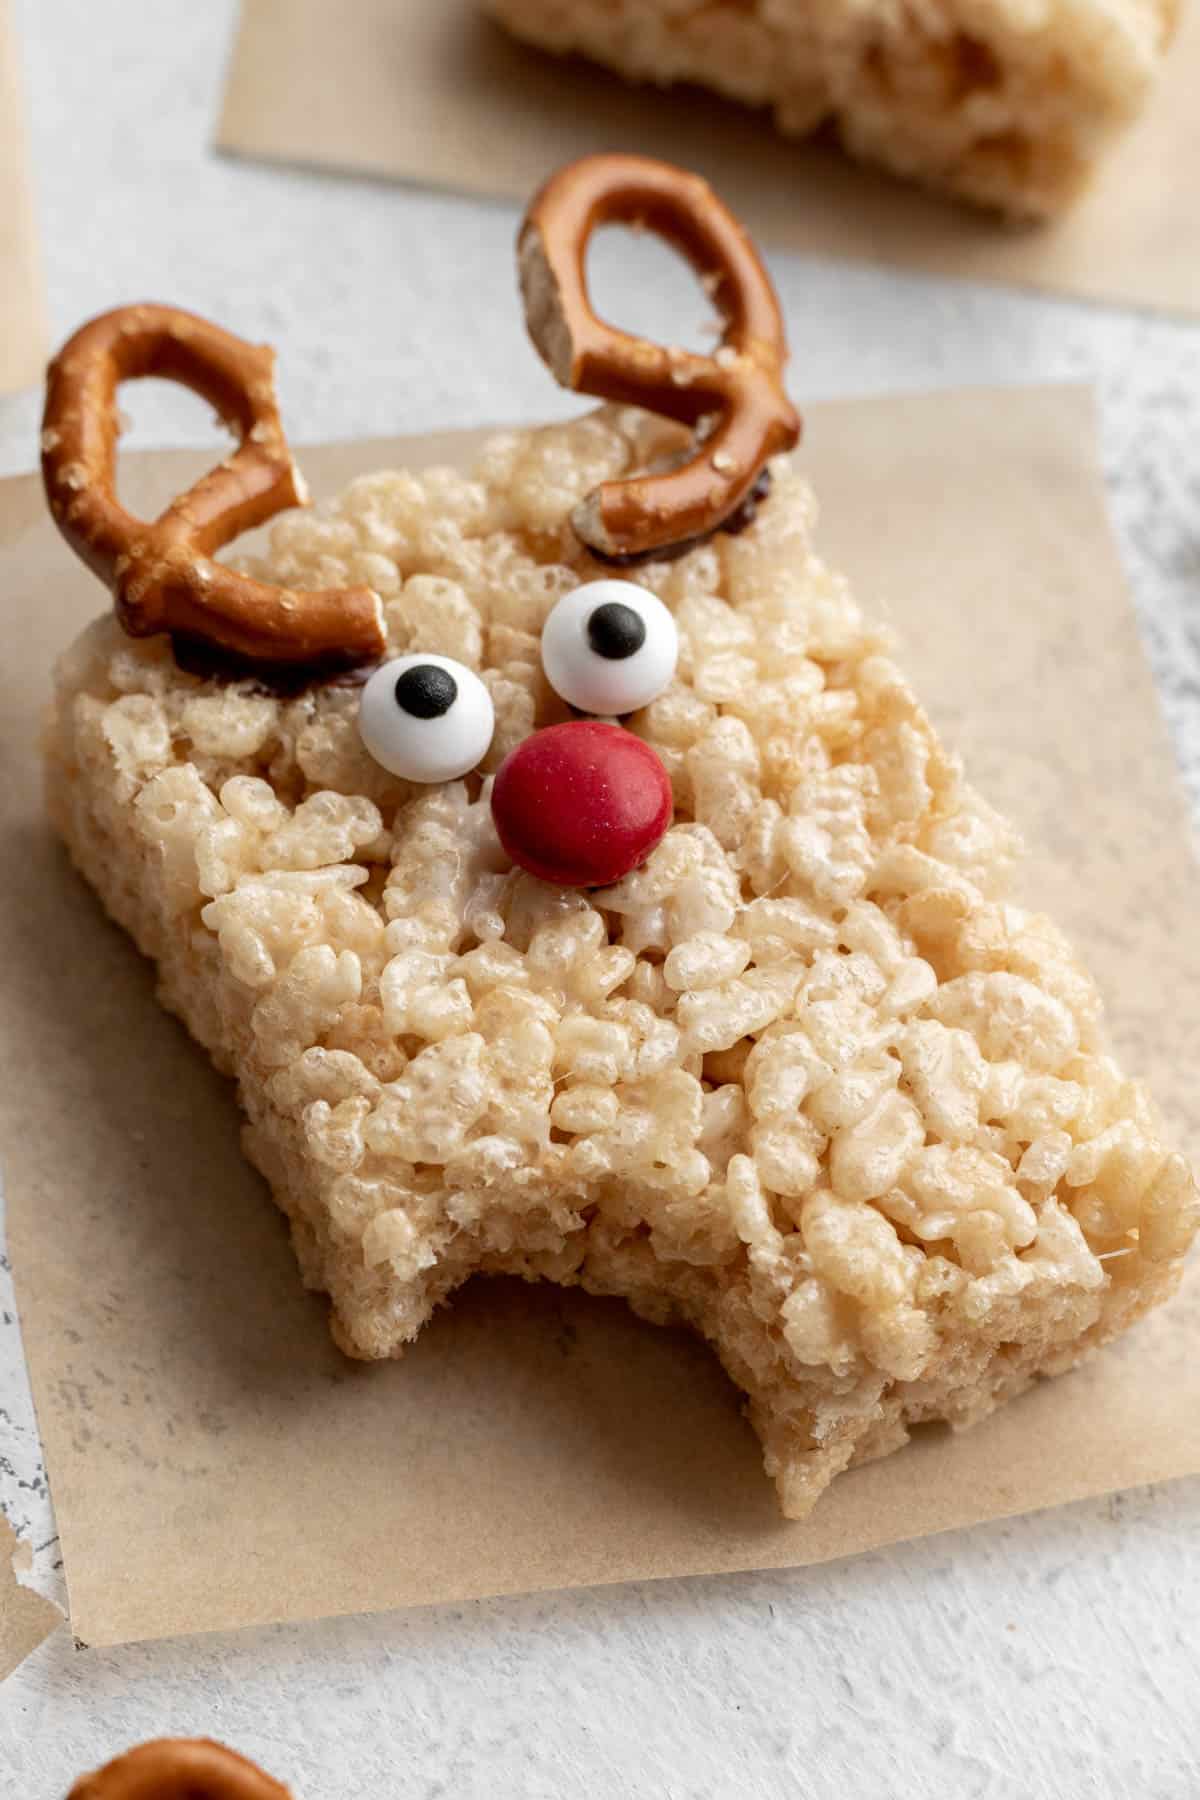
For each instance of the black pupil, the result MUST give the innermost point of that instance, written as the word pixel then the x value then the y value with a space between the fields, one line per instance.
pixel 426 691
pixel 616 630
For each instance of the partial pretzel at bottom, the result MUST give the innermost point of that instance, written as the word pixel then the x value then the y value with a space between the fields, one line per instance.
pixel 179 1769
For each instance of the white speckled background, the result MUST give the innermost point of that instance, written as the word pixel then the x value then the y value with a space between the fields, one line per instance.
pixel 1049 1658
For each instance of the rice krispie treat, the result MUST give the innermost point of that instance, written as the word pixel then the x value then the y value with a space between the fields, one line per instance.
pixel 179 1769
pixel 720 1007
pixel 1004 103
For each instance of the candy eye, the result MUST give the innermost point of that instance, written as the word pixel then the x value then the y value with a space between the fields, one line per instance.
pixel 609 647
pixel 426 718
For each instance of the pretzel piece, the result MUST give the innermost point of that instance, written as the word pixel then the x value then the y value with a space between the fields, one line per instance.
pixel 734 400
pixel 179 1769
pixel 162 574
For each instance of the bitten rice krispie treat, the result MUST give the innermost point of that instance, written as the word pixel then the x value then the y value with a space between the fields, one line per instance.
pixel 624 929
pixel 1005 102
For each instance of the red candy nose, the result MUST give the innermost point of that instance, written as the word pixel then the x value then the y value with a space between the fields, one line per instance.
pixel 581 804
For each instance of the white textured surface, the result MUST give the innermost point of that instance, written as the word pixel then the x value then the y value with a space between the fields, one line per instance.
pixel 1049 1658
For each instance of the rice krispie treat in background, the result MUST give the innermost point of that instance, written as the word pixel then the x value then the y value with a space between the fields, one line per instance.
pixel 624 922
pixel 1001 102
pixel 179 1769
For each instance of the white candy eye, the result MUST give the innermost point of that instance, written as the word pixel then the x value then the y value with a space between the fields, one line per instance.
pixel 426 718
pixel 609 647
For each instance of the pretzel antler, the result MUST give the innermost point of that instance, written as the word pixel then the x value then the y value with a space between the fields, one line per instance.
pixel 734 400
pixel 161 574
pixel 179 1769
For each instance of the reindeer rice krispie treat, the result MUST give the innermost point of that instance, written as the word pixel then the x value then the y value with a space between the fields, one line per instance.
pixel 1005 103
pixel 576 889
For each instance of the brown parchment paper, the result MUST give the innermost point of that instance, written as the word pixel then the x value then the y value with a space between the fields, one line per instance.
pixel 429 91
pixel 22 307
pixel 26 1617
pixel 213 1460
